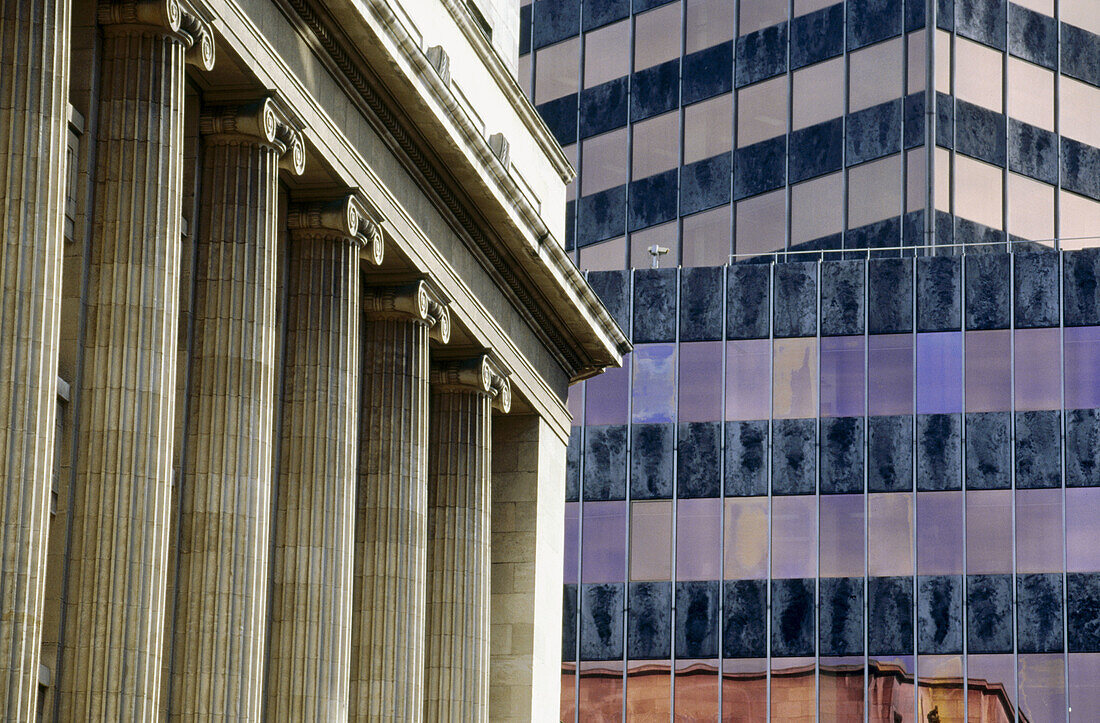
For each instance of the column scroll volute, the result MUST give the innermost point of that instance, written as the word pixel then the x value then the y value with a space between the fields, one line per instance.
pixel 263 121
pixel 481 374
pixel 171 17
pixel 345 219
pixel 419 300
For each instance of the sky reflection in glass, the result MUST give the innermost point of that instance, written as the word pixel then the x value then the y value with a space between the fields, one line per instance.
pixel 842 376
pixel 939 533
pixel 748 374
pixel 890 365
pixel 939 373
pixel 605 398
pixel 603 554
pixel 698 539
pixel 654 394
pixel 794 536
pixel 795 381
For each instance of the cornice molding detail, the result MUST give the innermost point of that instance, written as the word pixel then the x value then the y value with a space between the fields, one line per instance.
pixel 420 301
pixel 481 374
pixel 169 17
pixel 344 219
pixel 263 121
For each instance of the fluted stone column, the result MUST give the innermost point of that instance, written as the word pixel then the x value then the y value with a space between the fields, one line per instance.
pixel 221 590
pixel 313 550
pixel 34 62
pixel 391 522
pixel 114 620
pixel 457 657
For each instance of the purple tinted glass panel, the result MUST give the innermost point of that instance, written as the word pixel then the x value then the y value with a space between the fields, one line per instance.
pixel 890 365
pixel 1039 531
pixel 701 381
pixel 842 536
pixel 699 539
pixel 890 534
pixel 939 533
pixel 603 555
pixel 794 378
pixel 993 669
pixel 842 376
pixel 1082 367
pixel 606 396
pixel 748 379
pixel 989 371
pixel 1038 369
pixel 1083 530
pixel 1084 686
pixel 1042 688
pixel 572 530
pixel 794 536
pixel 654 383
pixel 575 402
pixel 989 532
pixel 939 373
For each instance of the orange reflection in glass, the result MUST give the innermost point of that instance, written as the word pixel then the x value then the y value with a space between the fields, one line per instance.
pixel 648 691
pixel 697 684
pixel 744 691
pixel 601 691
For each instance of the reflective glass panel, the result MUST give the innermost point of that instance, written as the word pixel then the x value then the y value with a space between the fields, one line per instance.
pixel 1082 13
pixel 746 538
pixel 760 14
pixel 745 690
pixel 841 535
pixel 794 536
pixel 654 393
pixel 890 368
pixel 1082 530
pixel 709 22
pixel 524 75
pixel 841 694
pixel 916 179
pixel 842 376
pixel 978 191
pixel 1078 220
pixel 1046 7
pixel 817 208
pixel 707 238
pixel 656 145
pixel 1084 686
pixel 818 95
pixel 793 690
pixel 916 81
pixel 708 128
pixel 876 74
pixel 1039 531
pixel 874 191
pixel 946 698
pixel 1042 687
pixel 575 402
pixel 697 690
pixel 664 236
pixel 568 691
pixel 698 539
pixel 989 532
pixel 761 224
pixel 804 7
pixel 989 370
pixel 604 162
pixel 943 179
pixel 651 540
pixel 657 36
pixel 1031 93
pixel 603 554
pixel 572 540
pixel 606 397
pixel 1082 367
pixel 762 111
pixel 978 74
pixel 701 381
pixel 606 53
pixel 1030 208
pixel 556 70
pixel 1038 369
pixel 748 379
pixel 601 690
pixel 890 534
pixel 795 380
pixel 1078 107
pixel 939 372
pixel 943 62
pixel 890 684
pixel 986 674
pixel 649 689
pixel 604 256
pixel 939 533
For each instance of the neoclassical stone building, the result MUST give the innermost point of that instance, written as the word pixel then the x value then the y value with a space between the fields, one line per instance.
pixel 286 329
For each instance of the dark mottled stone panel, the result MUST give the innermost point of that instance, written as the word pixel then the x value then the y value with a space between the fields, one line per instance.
pixel 979 133
pixel 761 54
pixel 573 465
pixel 555 20
pixel 1083 610
pixel 1036 289
pixel 945 121
pixel 603 108
pixel 945 229
pixel 601 216
pixel 1039 613
pixel 988 450
pixel 1081 168
pixel 939 293
pixel 748 307
pixel 939 615
pixel 914 15
pixel 1080 54
pixel 569 623
pixel 652 200
pixel 602 12
pixel 914 120
pixel 842 292
pixel 760 167
pixel 914 228
pixel 870 21
pixel 988 291
pixel 1038 455
pixel 816 150
pixel 880 234
pixel 840 626
pixel 570 222
pixel 655 90
pixel 989 613
pixel 796 299
pixel 792 618
pixel 793 456
pixel 602 621
pixel 701 303
pixel 705 184
pixel 970 232
pixel 652 455
pixel 1081 287
pixel 982 20
pixel 643 5
pixel 817 36
pixel 613 288
pixel 605 462
pixel 890 615
pixel 874 132
pixel 698 465
pixel 1032 151
pixel 708 72
pixel 841 455
pixel 939 452
pixel 945 14
pixel 654 305
pixel 560 116
pixel 525 29
pixel 746 464
pixel 745 605
pixel 890 453
pixel 890 296
pixel 1083 448
pixel 1033 36
pixel 697 606
pixel 649 620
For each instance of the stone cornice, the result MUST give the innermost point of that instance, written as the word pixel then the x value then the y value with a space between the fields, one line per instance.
pixel 263 121
pixel 345 219
pixel 419 301
pixel 482 374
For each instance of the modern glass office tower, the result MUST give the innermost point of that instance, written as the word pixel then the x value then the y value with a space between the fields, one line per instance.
pixel 852 469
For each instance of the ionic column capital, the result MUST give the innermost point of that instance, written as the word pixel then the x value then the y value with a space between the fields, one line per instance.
pixel 170 17
pixel 481 374
pixel 420 301
pixel 263 122
pixel 342 220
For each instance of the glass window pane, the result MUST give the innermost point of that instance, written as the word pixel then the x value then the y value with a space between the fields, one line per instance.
pixel 604 162
pixel 890 534
pixel 1038 369
pixel 697 686
pixel 648 690
pixel 939 373
pixel 817 209
pixel 570 152
pixel 744 690
pixel 603 554
pixel 988 371
pixel 818 93
pixel 1039 531
pixel 656 145
pixel 663 236
pixel 707 238
pixel 916 179
pixel 604 256
pixel 978 74
pixel 1042 687
pixel 654 393
pixel 943 62
pixel 945 697
pixel 1046 7
pixel 709 22
pixel 556 70
pixel 1031 93
pixel 874 191
pixel 792 689
pixel 746 553
pixel 1082 367
pixel 748 365
pixel 978 191
pixel 794 536
pixel 1078 221
pixel 1082 530
pixel 795 381
pixel 524 74
pixel 842 535
pixel 942 173
pixel 606 53
pixel 698 539
pixel 1082 13
pixel 918 63
pixel 601 689
pixel 651 540
pixel 572 540
pixel 657 36
pixel 701 381
pixel 890 367
pixel 989 532
pixel 876 74
pixel 707 128
pixel 605 396
pixel 761 224
pixel 1030 209
pixel 842 376
pixel 575 402
pixel 1084 686
pixel 759 14
pixel 1078 109
pixel 939 533
pixel 762 111
pixel 985 674
pixel 804 7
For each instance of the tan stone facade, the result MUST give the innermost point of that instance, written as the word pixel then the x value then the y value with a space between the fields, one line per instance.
pixel 285 334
